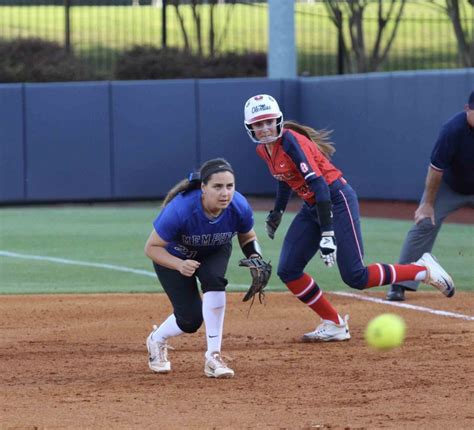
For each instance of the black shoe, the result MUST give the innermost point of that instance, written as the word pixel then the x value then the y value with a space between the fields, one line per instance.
pixel 396 293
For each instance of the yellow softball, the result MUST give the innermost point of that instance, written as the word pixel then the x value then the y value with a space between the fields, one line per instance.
pixel 385 332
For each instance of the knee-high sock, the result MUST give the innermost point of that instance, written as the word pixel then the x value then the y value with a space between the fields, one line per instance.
pixel 384 274
pixel 213 311
pixel 306 289
pixel 167 329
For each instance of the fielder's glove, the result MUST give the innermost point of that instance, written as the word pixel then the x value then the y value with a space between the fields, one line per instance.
pixel 328 248
pixel 261 272
pixel 272 222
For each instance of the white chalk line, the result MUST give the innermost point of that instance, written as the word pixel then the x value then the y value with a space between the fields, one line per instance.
pixel 404 305
pixel 76 263
pixel 239 286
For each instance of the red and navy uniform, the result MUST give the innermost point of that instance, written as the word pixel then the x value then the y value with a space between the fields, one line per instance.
pixel 298 162
pixel 299 166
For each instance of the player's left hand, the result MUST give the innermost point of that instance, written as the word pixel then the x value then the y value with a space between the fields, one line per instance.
pixel 260 271
pixel 328 248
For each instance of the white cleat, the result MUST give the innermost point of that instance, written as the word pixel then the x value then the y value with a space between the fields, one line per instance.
pixel 436 276
pixel 215 367
pixel 329 331
pixel 158 355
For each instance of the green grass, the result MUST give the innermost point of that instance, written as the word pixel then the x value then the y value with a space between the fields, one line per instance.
pixel 116 235
pixel 111 29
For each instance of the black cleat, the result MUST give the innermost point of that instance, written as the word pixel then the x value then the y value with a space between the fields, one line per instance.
pixel 396 293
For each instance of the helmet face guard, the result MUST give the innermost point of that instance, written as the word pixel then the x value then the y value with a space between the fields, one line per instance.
pixel 259 108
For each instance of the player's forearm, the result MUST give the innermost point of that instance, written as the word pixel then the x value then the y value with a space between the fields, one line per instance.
pixel 282 196
pixel 161 256
pixel 249 244
pixel 432 183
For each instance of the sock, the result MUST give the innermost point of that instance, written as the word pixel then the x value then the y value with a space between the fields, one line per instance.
pixel 306 290
pixel 213 311
pixel 384 274
pixel 167 329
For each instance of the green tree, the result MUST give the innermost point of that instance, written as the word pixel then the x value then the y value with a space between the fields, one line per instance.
pixel 358 57
pixel 196 8
pixel 461 15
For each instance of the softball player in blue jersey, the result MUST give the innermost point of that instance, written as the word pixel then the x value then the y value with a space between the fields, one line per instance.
pixel 191 240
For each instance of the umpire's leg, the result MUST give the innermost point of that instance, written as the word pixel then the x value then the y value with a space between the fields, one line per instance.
pixel 422 236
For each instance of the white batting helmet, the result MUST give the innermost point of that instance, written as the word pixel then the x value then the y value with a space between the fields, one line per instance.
pixel 259 108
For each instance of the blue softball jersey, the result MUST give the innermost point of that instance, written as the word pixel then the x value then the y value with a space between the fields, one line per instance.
pixel 454 154
pixel 191 234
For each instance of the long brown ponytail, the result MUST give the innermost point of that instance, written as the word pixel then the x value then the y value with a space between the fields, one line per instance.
pixel 183 185
pixel 319 137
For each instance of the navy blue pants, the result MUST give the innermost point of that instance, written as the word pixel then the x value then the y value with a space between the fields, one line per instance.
pixel 183 291
pixel 302 239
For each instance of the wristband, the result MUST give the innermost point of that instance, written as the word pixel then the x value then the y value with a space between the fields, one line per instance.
pixel 251 248
pixel 325 214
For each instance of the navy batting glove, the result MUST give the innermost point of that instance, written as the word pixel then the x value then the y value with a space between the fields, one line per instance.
pixel 328 248
pixel 272 222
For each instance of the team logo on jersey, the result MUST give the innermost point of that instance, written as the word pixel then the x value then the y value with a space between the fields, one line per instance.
pixel 304 167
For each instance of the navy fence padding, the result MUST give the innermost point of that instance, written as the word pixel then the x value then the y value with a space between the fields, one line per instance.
pixel 154 135
pixel 68 149
pixel 385 124
pixel 136 139
pixel 12 174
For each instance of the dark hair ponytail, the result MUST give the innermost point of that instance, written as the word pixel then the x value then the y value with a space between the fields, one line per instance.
pixel 195 179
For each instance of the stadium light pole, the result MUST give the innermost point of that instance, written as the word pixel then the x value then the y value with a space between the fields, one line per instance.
pixel 281 39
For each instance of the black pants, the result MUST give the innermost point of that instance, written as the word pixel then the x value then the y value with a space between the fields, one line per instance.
pixel 183 291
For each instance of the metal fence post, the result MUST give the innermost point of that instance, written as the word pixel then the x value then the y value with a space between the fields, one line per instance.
pixel 340 42
pixel 67 25
pixel 163 23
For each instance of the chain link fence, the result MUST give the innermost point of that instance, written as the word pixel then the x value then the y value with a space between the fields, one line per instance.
pixel 99 31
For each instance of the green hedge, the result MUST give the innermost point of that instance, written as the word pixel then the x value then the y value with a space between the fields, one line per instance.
pixel 35 60
pixel 148 62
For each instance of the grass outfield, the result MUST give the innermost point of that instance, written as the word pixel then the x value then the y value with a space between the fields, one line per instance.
pixel 116 235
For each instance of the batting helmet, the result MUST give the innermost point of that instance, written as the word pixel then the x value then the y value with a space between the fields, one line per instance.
pixel 259 108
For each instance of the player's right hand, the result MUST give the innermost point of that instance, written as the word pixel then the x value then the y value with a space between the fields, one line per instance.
pixel 328 248
pixel 188 267
pixel 272 222
pixel 423 211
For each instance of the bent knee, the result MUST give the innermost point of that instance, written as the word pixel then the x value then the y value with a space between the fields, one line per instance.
pixel 287 275
pixel 213 283
pixel 189 325
pixel 425 226
pixel 356 279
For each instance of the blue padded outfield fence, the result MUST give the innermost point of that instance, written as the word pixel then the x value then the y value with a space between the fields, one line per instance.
pixel 134 140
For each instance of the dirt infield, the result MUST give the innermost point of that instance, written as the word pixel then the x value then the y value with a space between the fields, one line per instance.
pixel 79 361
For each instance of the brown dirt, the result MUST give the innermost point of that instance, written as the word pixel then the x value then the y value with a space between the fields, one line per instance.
pixel 79 361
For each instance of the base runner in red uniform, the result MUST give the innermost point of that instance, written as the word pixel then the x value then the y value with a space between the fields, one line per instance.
pixel 299 158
